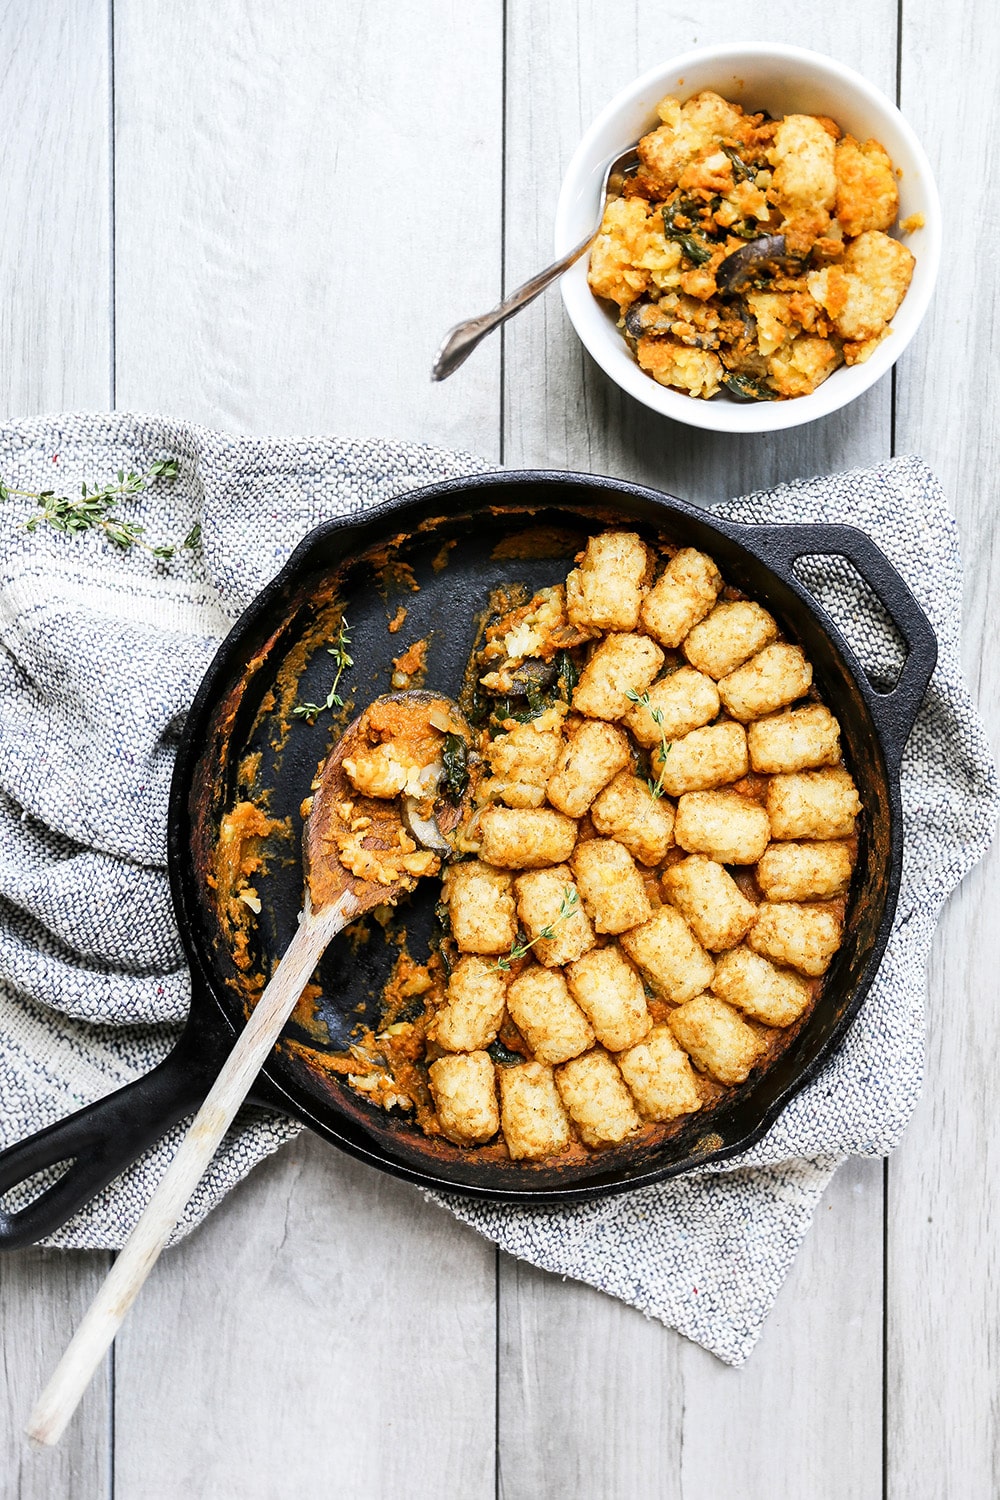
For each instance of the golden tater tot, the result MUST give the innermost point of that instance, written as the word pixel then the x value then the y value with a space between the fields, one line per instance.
pixel 605 591
pixel 716 1039
pixel 684 593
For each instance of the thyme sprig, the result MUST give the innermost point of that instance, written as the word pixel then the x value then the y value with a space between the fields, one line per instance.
pixel 656 714
pixel 96 508
pixel 568 906
pixel 343 659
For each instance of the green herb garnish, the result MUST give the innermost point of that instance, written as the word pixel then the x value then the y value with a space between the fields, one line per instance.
pixel 338 651
pixel 656 714
pixel 521 945
pixel 95 509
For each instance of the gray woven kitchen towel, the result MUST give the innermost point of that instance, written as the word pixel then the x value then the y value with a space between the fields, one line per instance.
pixel 101 653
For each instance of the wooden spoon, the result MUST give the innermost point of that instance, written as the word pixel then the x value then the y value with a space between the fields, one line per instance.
pixel 390 863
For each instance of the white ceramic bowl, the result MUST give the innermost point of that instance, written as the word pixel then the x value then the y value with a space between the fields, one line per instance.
pixel 782 80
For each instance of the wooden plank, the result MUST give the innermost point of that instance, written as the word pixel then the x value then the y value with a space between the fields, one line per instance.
pixel 55 230
pixel 943 1312
pixel 646 1418
pixel 55 332
pixel 43 1294
pixel 325 1332
pixel 281 268
pixel 597 1401
pixel 290 262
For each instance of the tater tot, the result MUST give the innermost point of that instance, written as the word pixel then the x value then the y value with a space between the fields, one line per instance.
pixel 620 664
pixel 805 872
pixel 715 1038
pixel 547 1016
pixel 470 1017
pixel 464 1091
pixel 681 702
pixel 480 903
pixel 669 955
pixel 702 760
pixel 805 937
pixel 613 891
pixel 801 739
pixel 542 897
pixel 594 752
pixel 747 980
pixel 724 825
pixel 535 1123
pixel 773 678
pixel 522 762
pixel 683 595
pixel 813 804
pixel 726 638
pixel 526 838
pixel 611 996
pixel 710 901
pixel 627 811
pixel 596 1098
pixel 605 591
pixel 867 192
pixel 660 1077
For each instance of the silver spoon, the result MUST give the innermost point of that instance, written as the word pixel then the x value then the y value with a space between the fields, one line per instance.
pixel 460 341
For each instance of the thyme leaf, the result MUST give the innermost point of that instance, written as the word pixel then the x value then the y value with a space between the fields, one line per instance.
pixel 656 714
pixel 568 906
pixel 95 508
pixel 339 652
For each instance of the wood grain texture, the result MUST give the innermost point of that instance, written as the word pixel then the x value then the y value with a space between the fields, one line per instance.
pixel 287 261
pixel 785 1418
pixel 943 1313
pixel 277 271
pixel 43 1294
pixel 596 1401
pixel 55 333
pixel 279 228
pixel 55 270
pixel 325 1333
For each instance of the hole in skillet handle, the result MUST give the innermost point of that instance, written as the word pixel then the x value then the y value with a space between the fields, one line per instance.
pixel 859 615
pixel 796 553
pixel 29 1189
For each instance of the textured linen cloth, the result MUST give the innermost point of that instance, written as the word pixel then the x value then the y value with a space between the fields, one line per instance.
pixel 101 654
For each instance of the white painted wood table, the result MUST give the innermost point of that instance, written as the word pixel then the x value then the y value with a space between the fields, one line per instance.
pixel 262 217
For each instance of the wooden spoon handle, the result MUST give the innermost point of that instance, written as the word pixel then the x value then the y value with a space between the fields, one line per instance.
pixel 106 1313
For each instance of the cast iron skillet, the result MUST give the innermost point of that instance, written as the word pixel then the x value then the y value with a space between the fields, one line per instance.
pixel 230 719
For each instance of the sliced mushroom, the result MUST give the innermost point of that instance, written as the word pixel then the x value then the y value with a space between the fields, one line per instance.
pixel 646 320
pixel 532 676
pixel 762 256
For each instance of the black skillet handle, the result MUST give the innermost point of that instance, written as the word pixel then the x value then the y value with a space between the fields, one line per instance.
pixel 99 1142
pixel 895 711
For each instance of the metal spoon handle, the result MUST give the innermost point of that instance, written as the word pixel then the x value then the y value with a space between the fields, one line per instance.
pixel 463 338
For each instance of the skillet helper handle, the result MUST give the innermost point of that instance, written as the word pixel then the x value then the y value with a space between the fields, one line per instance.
pixel 895 711
pixel 97 1143
pixel 141 1250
